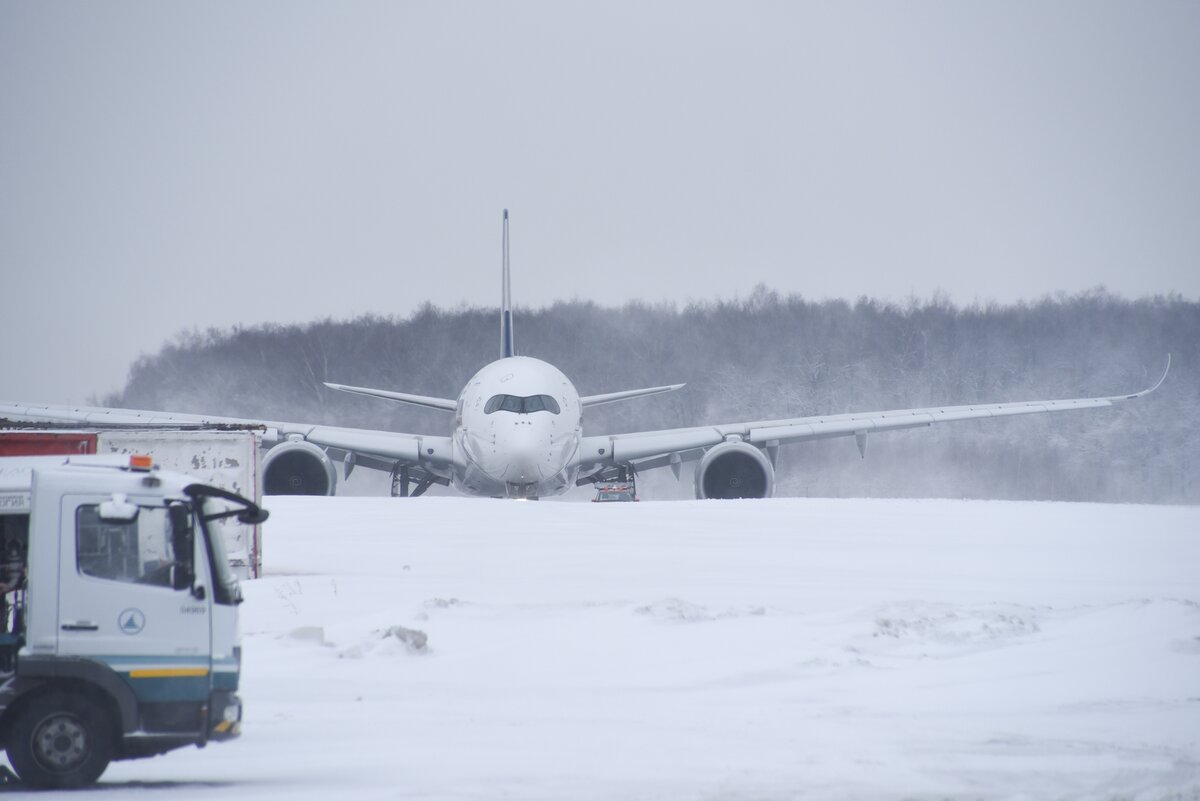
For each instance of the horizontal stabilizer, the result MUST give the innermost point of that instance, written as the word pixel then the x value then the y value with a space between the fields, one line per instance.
pixel 609 397
pixel 416 400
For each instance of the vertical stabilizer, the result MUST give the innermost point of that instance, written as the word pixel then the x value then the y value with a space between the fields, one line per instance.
pixel 506 322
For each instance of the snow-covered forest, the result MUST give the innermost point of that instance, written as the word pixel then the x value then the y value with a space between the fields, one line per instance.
pixel 768 356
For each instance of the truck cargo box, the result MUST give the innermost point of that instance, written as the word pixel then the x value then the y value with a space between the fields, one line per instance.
pixel 46 443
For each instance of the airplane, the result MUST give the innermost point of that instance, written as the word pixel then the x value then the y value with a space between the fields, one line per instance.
pixel 518 433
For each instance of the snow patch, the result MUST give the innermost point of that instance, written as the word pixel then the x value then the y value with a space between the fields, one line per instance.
pixel 1191 646
pixel 415 639
pixel 917 623
pixel 312 634
pixel 677 609
pixel 389 642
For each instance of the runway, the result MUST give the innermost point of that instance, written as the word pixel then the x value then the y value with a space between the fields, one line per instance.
pixel 441 648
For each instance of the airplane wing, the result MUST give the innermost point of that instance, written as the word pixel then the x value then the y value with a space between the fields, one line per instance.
pixel 609 397
pixel 380 450
pixel 650 449
pixel 444 404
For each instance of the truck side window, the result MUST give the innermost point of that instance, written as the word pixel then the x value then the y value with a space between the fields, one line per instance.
pixel 140 551
pixel 14 544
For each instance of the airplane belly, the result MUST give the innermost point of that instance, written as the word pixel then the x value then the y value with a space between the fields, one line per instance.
pixel 557 483
pixel 470 479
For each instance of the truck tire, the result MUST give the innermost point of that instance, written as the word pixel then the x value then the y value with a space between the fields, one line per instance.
pixel 61 740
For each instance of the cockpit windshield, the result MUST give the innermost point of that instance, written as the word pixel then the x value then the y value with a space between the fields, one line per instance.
pixel 517 405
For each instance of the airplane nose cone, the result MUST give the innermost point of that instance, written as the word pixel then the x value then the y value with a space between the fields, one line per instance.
pixel 524 450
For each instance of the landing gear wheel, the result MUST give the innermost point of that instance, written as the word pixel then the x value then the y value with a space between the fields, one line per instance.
pixel 61 741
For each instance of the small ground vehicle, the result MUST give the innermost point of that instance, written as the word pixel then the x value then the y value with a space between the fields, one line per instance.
pixel 619 491
pixel 119 630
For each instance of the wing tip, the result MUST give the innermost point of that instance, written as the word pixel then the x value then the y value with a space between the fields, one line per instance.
pixel 1162 377
pixel 1148 390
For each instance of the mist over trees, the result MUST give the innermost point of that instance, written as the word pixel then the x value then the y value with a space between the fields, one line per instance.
pixel 762 357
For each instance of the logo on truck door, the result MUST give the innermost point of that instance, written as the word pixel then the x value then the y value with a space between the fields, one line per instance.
pixel 131 621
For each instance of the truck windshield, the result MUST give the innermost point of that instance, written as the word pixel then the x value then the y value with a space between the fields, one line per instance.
pixel 218 504
pixel 227 591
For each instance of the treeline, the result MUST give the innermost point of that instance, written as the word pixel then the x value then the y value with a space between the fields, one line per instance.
pixel 768 356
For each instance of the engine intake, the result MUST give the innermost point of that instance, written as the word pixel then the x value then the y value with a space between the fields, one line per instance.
pixel 735 470
pixel 298 468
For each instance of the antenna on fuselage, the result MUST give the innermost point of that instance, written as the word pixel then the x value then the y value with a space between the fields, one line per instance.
pixel 506 322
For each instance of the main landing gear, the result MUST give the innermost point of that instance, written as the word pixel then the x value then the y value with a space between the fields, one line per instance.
pixel 401 479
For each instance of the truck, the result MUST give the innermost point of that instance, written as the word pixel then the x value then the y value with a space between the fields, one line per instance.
pixel 119 634
pixel 226 457
pixel 615 491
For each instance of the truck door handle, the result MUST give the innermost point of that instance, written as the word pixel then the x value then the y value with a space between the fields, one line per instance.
pixel 81 625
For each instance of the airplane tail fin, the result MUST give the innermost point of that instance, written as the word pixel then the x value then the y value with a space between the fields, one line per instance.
pixel 506 322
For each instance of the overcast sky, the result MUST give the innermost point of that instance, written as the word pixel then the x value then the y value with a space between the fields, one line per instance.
pixel 165 166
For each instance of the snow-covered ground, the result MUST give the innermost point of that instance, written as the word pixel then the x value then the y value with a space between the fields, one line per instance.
pixel 757 650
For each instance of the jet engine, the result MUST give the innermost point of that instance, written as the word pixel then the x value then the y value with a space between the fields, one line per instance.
pixel 734 470
pixel 298 468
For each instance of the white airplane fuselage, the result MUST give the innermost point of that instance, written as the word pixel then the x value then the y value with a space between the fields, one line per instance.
pixel 517 429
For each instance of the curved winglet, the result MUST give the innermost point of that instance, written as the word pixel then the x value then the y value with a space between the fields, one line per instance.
pixel 1157 384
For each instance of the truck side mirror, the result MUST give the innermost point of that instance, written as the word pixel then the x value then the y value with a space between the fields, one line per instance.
pixel 118 509
pixel 253 517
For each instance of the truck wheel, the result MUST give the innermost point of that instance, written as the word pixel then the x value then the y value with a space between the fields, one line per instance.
pixel 61 740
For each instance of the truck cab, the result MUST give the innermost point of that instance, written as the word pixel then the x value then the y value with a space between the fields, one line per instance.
pixel 119 633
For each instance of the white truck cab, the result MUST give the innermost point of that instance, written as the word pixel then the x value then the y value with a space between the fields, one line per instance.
pixel 119 630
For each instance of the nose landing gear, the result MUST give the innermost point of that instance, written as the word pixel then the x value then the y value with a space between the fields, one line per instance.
pixel 524 492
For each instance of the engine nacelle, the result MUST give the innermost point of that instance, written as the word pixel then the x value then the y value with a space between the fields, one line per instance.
pixel 298 468
pixel 735 470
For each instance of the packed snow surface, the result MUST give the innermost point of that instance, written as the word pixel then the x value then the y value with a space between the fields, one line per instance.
pixel 442 648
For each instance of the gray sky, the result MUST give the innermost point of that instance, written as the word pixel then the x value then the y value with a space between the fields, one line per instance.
pixel 165 166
